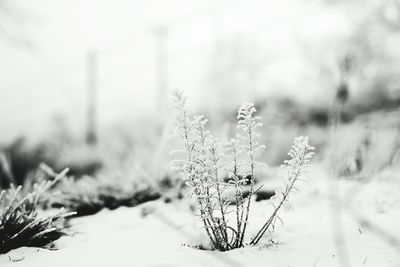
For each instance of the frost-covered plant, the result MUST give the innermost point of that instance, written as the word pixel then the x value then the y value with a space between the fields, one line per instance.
pixel 20 222
pixel 206 159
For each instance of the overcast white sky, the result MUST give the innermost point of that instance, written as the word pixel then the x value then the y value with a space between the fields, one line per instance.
pixel 50 78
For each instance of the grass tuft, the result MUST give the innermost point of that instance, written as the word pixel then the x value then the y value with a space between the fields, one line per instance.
pixel 20 221
pixel 89 195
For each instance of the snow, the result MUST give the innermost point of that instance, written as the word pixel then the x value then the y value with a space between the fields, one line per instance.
pixel 159 234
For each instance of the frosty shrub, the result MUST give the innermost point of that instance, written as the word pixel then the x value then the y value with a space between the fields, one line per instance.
pixel 89 195
pixel 20 222
pixel 206 160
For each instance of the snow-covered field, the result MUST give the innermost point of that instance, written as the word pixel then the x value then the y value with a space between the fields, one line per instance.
pixel 160 234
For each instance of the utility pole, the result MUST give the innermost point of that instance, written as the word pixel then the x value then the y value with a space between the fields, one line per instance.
pixel 161 79
pixel 92 65
pixel 161 45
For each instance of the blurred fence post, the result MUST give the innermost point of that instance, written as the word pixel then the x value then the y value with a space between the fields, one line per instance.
pixel 92 65
pixel 5 170
pixel 161 91
pixel 342 91
pixel 161 43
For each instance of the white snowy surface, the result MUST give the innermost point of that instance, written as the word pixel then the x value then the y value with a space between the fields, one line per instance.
pixel 159 234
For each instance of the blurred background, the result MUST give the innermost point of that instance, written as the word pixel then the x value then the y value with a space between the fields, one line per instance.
pixel 85 84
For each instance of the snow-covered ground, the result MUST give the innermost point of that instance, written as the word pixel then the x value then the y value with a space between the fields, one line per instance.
pixel 159 234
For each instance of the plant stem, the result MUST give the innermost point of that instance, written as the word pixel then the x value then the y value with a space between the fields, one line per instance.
pixel 251 153
pixel 238 197
pixel 224 232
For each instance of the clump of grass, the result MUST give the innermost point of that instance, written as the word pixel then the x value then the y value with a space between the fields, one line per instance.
pixel 207 159
pixel 363 148
pixel 20 221
pixel 89 195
